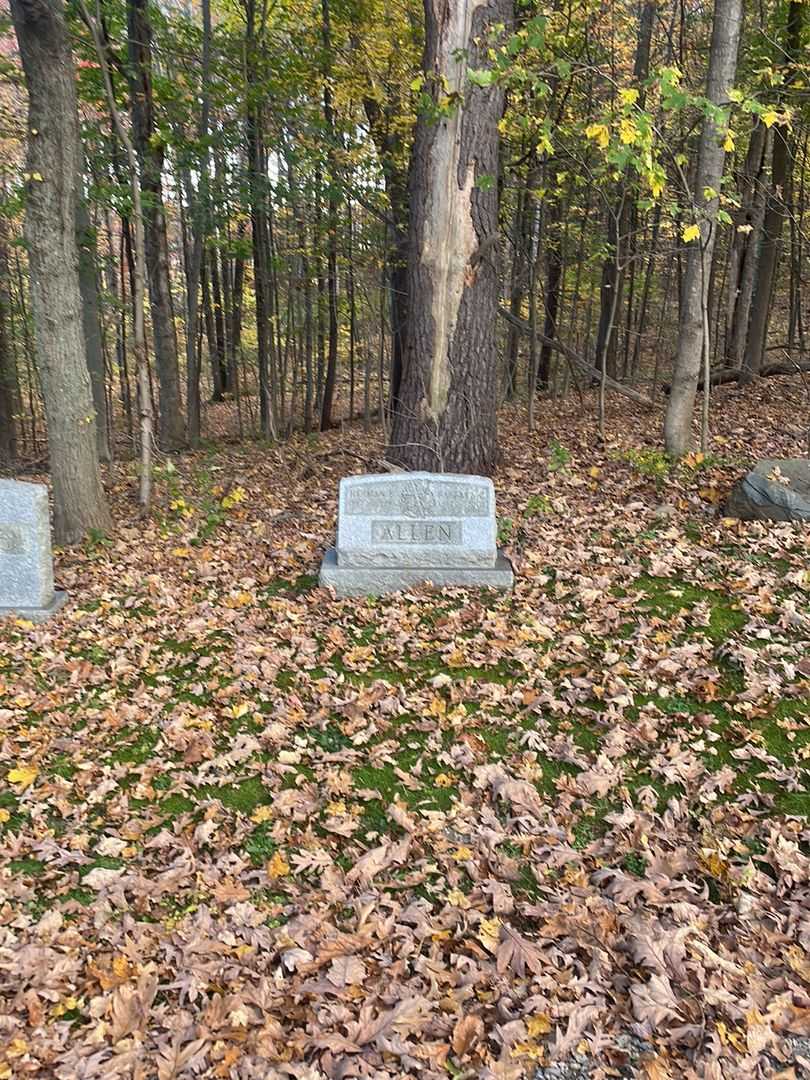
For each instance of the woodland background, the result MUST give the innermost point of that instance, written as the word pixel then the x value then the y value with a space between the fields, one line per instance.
pixel 273 145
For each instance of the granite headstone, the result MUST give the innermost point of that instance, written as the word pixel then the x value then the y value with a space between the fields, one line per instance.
pixel 26 562
pixel 399 530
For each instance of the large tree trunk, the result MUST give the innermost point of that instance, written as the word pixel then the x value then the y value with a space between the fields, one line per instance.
pixel 54 162
pixel 446 417
pixel 692 343
pixel 149 148
pixel 776 210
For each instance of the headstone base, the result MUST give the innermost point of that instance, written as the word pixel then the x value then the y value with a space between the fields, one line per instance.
pixel 376 580
pixel 36 615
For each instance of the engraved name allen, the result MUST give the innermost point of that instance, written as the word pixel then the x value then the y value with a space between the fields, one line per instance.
pixel 416 532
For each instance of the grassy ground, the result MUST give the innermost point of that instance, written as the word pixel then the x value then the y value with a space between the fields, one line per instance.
pixel 251 830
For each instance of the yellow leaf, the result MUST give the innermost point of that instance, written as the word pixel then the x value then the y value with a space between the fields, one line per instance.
pixel 594 471
pixel 261 813
pixel 628 132
pixel 437 706
pixel 462 854
pixel 489 933
pixel 599 133
pixel 628 97
pixel 443 780
pixel 181 552
pixel 458 899
pixel 691 232
pixel 240 710
pixel 120 966
pixel 539 1024
pixel 728 145
pixel 24 775
pixel 769 117
pixel 278 866
pixel 4 815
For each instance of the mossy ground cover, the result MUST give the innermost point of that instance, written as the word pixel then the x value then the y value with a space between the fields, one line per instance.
pixel 221 777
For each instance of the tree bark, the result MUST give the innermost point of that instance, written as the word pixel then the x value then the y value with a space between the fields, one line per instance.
pixel 620 216
pixel 137 268
pixel 9 396
pixel 331 223
pixel 149 149
pixel 692 345
pixel 745 246
pixel 54 162
pixel 776 210
pixel 446 419
pixel 91 325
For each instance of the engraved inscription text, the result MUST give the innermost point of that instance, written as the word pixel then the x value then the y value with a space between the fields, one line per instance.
pixel 416 532
pixel 419 499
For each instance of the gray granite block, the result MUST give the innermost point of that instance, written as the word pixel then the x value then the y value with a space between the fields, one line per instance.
pixel 38 614
pixel 422 520
pixel 377 580
pixel 26 561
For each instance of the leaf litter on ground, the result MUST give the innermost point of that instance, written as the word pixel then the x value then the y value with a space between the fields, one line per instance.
pixel 249 830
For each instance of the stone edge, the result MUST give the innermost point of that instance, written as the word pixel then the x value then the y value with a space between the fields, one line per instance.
pixel 376 581
pixel 36 615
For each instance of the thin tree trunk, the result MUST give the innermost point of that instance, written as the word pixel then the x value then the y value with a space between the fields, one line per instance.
pixel 745 246
pixel 620 216
pixel 91 325
pixel 327 403
pixel 149 148
pixel 711 155
pixel 776 210
pixel 9 401
pixel 145 414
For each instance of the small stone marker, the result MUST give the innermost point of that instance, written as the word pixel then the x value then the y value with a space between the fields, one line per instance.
pixel 398 530
pixel 26 563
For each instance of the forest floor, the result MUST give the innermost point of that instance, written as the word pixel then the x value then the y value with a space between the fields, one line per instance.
pixel 248 830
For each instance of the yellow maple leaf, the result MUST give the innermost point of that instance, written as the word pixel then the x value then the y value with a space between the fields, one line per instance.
pixel 690 233
pixel 769 117
pixel 728 145
pixel 261 813
pixel 443 780
pixel 462 854
pixel 278 866
pixel 4 815
pixel 24 775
